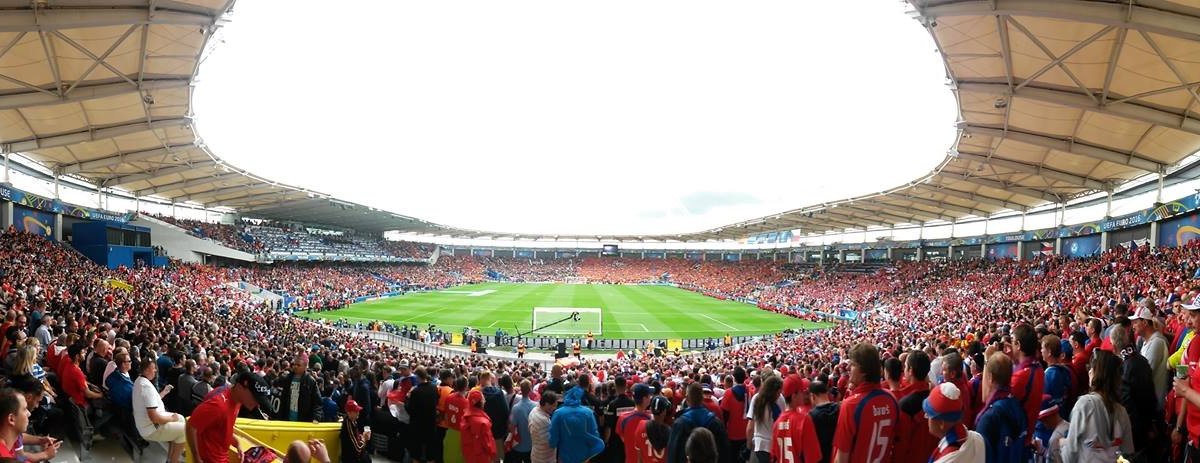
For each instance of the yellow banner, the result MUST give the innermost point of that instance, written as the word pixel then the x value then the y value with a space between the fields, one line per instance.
pixel 115 283
pixel 673 344
pixel 456 339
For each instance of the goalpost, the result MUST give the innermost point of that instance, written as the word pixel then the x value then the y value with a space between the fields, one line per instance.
pixel 589 319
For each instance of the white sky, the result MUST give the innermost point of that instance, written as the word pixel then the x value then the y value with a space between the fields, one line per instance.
pixel 572 117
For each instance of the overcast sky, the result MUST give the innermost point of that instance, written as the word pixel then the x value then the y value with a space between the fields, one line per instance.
pixel 578 117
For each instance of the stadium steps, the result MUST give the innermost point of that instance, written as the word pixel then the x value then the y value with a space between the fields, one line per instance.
pixel 183 246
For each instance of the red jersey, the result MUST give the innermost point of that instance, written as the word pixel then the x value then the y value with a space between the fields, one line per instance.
pixel 1193 413
pixel 627 428
pixel 456 408
pixel 645 450
pixel 74 383
pixel 1027 385
pixel 733 410
pixel 866 425
pixel 213 421
pixel 444 393
pixel 794 438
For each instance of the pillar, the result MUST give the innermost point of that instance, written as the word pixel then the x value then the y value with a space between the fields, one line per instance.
pixel 983 248
pixel 1103 241
pixel 950 252
pixel 1058 246
pixel 6 215
pixel 1020 250
pixel 920 253
pixel 890 256
pixel 842 256
pixel 1153 234
pixel 7 179
pixel 58 227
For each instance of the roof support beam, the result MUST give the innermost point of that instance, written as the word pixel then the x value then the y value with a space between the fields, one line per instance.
pixel 127 179
pixel 888 216
pixel 974 197
pixel 1023 191
pixel 261 197
pixel 89 166
pixel 938 204
pixel 1070 146
pixel 183 185
pixel 1131 16
pixel 910 211
pixel 52 141
pixel 847 214
pixel 222 191
pixel 1054 174
pixel 27 20
pixel 85 92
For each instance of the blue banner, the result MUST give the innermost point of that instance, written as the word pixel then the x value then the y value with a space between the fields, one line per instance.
pixel 732 256
pixel 693 256
pixel 524 254
pixel 654 255
pixel 481 252
pixel 876 254
pixel 1081 246
pixel 1179 231
pixel 32 221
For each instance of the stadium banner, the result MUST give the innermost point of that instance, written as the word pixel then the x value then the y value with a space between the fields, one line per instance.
pixel 876 254
pixel 481 252
pixel 456 339
pixel 654 255
pixel 1082 246
pixel 732 257
pixel 674 344
pixel 693 256
pixel 1179 231
pixel 564 254
pixel 33 221
pixel 524 254
pixel 1002 251
pixel 786 236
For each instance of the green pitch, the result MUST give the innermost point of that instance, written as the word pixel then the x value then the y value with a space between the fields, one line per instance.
pixel 629 312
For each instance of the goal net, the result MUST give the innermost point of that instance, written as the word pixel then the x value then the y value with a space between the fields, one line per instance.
pixel 549 321
pixel 575 280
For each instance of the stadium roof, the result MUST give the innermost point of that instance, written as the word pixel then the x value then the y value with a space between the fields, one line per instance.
pixel 1058 99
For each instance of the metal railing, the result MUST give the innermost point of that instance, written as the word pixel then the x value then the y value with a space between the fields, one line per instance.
pixel 433 349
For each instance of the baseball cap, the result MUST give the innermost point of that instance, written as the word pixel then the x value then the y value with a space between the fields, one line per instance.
pixel 641 391
pixel 794 384
pixel 1142 313
pixel 659 404
pixel 402 364
pixel 257 385
pixel 706 388
pixel 352 406
pixel 944 403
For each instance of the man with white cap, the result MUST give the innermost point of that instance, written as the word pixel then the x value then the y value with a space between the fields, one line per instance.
pixel 944 410
pixel 1153 348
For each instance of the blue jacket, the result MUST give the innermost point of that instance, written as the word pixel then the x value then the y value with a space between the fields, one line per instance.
pixel 573 430
pixel 1002 426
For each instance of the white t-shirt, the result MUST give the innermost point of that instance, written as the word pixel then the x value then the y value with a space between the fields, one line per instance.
pixel 145 396
pixel 763 428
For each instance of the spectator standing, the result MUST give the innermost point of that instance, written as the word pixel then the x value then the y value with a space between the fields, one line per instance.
pixel 573 431
pixel 764 410
pixel 1137 392
pixel 518 423
pixel 868 415
pixel 733 409
pixel 944 409
pixel 629 422
pixel 1154 349
pixel 1099 426
pixel 496 406
pixel 697 416
pixel 210 428
pixel 702 447
pixel 355 440
pixel 301 394
pixel 1002 420
pixel 794 437
pixel 824 415
pixel 913 441
pixel 422 412
pixel 539 429
pixel 1028 381
pixel 478 445
pixel 653 435
pixel 618 405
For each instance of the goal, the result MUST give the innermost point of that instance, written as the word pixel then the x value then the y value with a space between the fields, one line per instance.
pixel 544 319
pixel 575 280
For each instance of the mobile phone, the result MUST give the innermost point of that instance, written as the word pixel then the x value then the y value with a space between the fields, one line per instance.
pixel 1181 371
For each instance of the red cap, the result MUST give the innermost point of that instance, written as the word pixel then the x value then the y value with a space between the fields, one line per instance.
pixel 352 406
pixel 794 384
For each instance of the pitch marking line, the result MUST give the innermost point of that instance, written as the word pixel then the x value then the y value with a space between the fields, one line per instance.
pixel 643 327
pixel 718 321
pixel 484 292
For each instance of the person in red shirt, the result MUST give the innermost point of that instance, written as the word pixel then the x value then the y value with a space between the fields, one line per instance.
pixel 733 409
pixel 210 428
pixel 794 436
pixel 709 402
pixel 14 421
pixel 867 420
pixel 627 423
pixel 478 446
pixel 73 380
pixel 1188 390
pixel 944 408
pixel 1028 381
pixel 652 436
pixel 953 372
pixel 913 441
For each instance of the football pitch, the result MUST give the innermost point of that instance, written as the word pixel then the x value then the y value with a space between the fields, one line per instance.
pixel 629 311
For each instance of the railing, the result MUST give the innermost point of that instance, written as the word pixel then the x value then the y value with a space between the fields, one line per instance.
pixel 432 349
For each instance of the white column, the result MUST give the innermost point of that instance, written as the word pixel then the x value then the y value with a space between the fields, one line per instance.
pixel 7 179
pixel 1154 234
pixel 56 196
pixel 6 215
pixel 58 227
pixel 1103 241
pixel 1058 246
pixel 1161 175
pixel 1108 207
pixel 1020 250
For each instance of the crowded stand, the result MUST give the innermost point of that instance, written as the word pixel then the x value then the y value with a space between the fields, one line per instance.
pixel 228 235
pixel 1048 359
